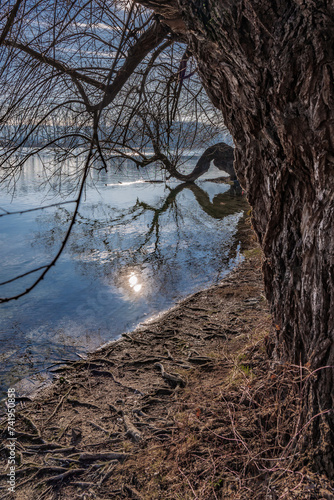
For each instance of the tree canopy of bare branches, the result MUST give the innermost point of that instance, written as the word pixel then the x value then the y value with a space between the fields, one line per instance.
pixel 97 81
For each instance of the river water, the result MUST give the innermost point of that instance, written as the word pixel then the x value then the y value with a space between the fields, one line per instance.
pixel 136 249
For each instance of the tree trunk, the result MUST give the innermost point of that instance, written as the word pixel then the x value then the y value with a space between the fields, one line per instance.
pixel 268 65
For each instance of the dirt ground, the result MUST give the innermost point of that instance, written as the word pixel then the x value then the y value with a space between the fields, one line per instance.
pixel 185 407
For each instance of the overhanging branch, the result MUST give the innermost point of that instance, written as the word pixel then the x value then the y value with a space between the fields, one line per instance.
pixel 149 40
pixel 60 66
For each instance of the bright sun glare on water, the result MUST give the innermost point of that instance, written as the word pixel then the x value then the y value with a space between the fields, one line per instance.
pixel 133 281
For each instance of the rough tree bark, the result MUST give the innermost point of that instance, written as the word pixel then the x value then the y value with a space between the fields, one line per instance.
pixel 268 65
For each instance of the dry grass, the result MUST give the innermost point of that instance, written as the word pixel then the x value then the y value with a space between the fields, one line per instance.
pixel 235 438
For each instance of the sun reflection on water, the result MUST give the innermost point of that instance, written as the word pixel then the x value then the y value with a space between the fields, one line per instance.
pixel 133 282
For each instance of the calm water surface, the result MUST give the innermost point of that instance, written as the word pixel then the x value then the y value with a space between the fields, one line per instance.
pixel 136 249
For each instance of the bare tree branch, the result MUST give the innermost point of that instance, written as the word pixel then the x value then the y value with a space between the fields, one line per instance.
pixel 147 42
pixel 55 64
pixel 60 96
pixel 10 21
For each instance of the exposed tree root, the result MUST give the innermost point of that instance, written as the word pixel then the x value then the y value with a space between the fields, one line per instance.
pixel 62 399
pixel 173 380
pixel 131 431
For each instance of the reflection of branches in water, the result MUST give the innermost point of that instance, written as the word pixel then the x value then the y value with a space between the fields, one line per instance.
pixel 97 231
pixel 45 269
pixel 169 203
pixel 218 153
pixel 127 217
pixel 222 205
